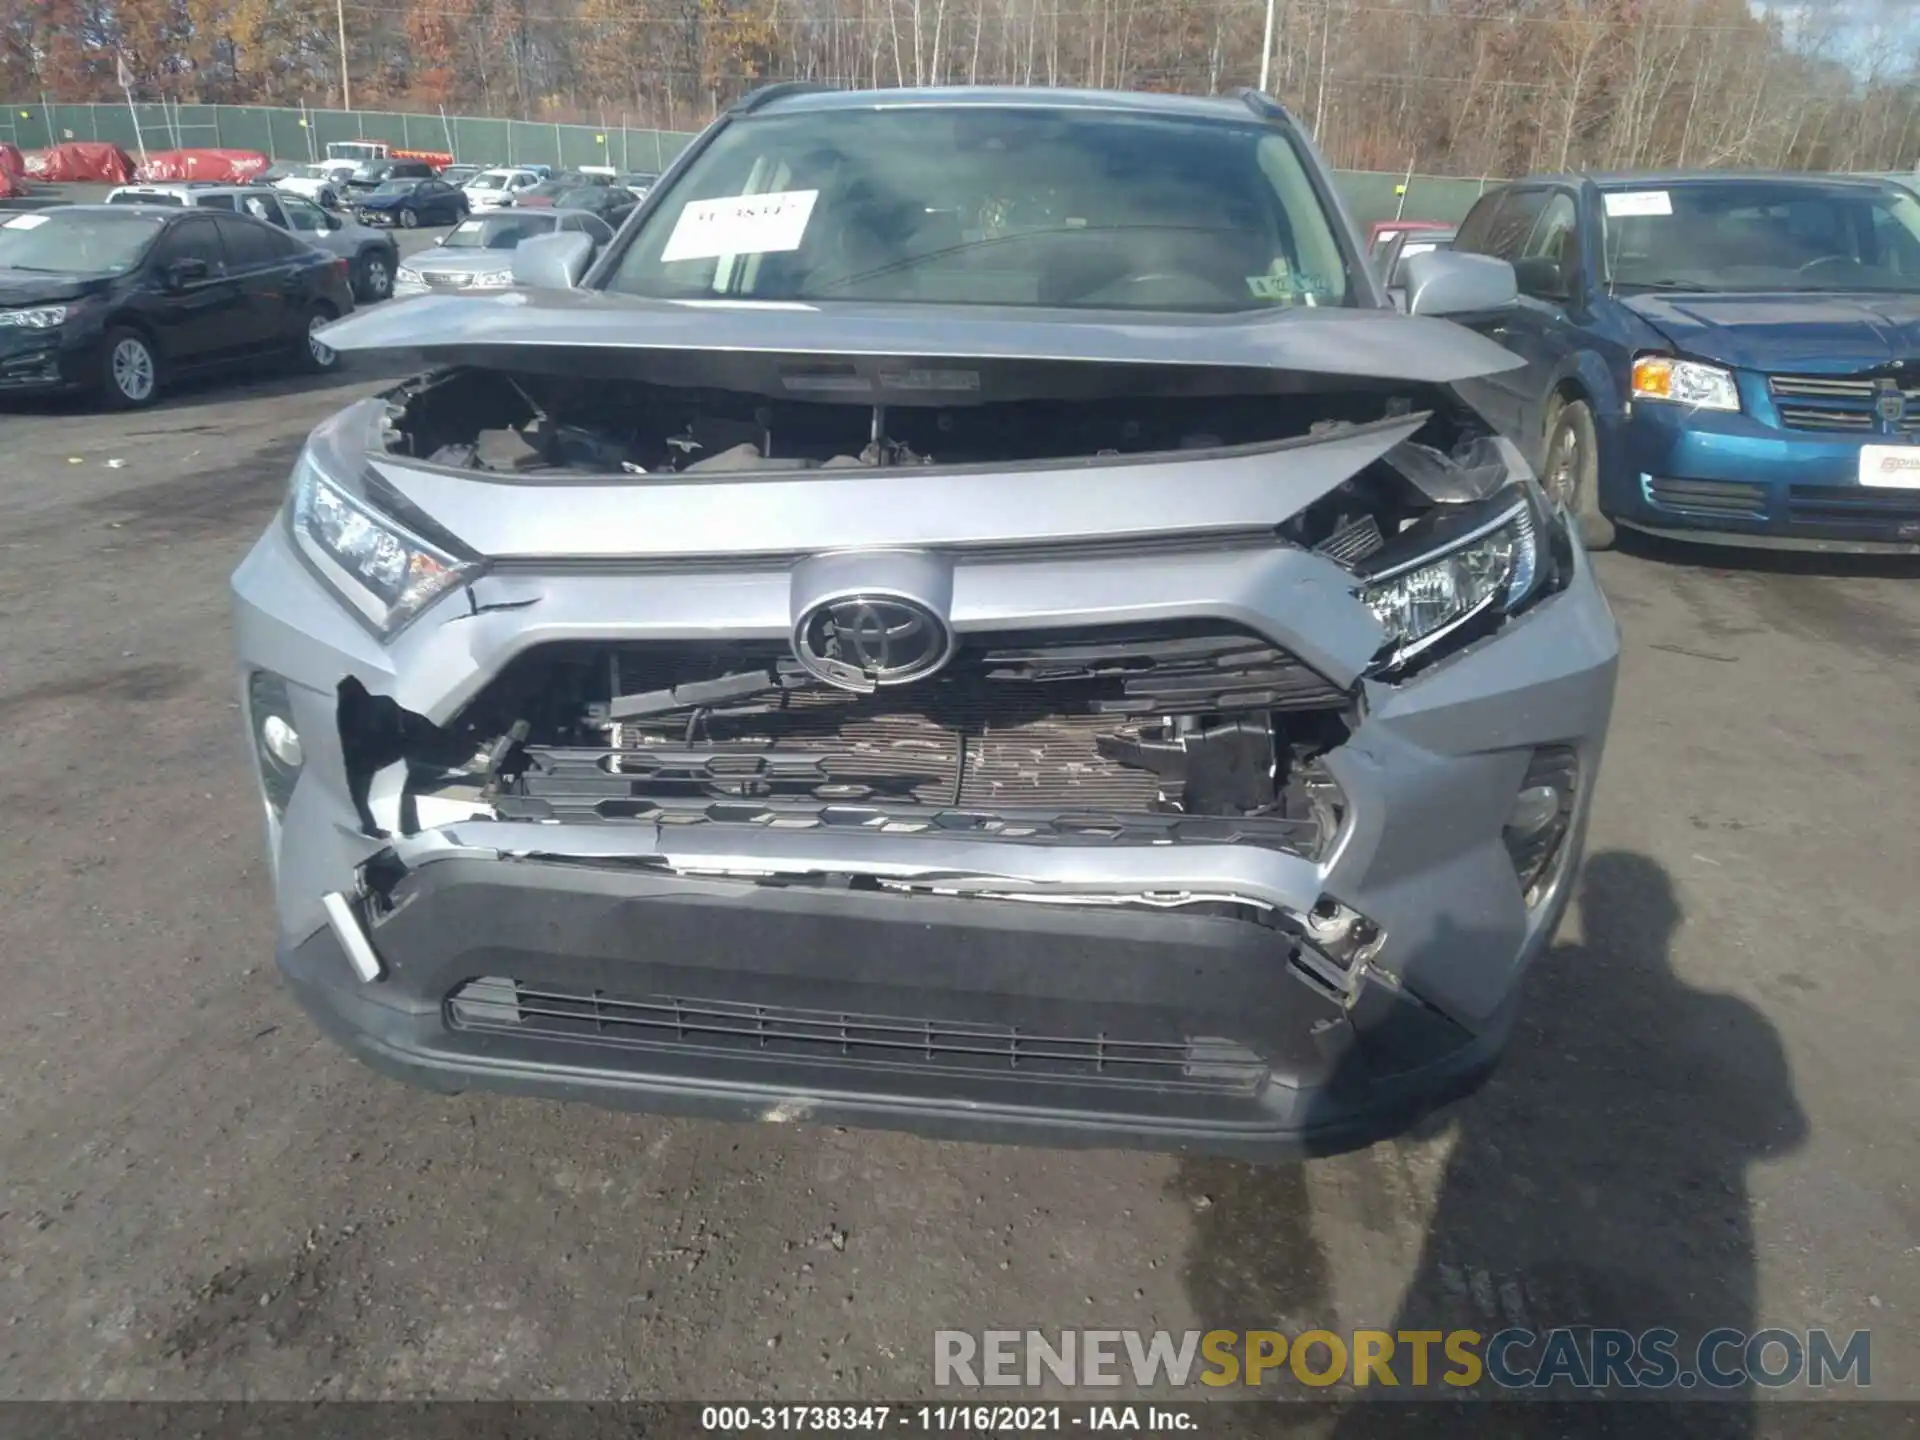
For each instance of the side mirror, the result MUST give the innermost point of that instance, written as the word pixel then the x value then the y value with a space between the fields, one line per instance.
pixel 552 262
pixel 332 222
pixel 184 271
pixel 1446 282
pixel 1541 278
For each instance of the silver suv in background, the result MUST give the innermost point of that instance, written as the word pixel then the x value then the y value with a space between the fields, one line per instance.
pixel 973 614
pixel 372 256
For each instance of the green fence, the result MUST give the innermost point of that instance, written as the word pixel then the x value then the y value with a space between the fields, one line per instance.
pixel 304 135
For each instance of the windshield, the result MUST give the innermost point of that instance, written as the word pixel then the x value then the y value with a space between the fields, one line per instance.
pixel 497 232
pixel 489 180
pixel 1002 206
pixel 1762 235
pixel 145 197
pixel 74 243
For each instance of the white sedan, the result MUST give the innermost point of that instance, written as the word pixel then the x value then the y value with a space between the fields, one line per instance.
pixel 493 189
pixel 323 184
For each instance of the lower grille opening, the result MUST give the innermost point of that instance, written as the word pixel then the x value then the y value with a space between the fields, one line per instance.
pixel 500 1005
pixel 1708 497
pixel 1864 509
pixel 1161 734
pixel 1543 813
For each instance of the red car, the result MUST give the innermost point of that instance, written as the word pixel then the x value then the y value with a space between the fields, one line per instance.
pixel 1385 229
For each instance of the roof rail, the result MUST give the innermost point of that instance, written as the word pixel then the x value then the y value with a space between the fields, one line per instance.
pixel 1263 104
pixel 779 90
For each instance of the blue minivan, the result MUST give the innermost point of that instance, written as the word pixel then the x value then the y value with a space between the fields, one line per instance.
pixel 1718 357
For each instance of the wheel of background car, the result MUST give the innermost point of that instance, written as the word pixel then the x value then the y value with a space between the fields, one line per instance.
pixel 410 219
pixel 316 358
pixel 130 373
pixel 375 280
pixel 1571 474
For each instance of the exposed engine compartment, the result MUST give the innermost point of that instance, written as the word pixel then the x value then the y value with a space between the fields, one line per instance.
pixel 1156 734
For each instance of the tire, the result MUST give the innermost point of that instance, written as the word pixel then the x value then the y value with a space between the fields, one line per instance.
pixel 126 357
pixel 373 277
pixel 410 219
pixel 310 355
pixel 1571 472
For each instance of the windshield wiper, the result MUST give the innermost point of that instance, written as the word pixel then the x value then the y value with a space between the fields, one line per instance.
pixel 1693 287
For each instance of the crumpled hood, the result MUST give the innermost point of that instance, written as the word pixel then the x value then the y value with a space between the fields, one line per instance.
pixel 26 287
pixel 1378 344
pixel 1820 334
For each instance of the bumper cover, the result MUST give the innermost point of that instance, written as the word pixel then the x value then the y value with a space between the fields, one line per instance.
pixel 1744 480
pixel 962 1018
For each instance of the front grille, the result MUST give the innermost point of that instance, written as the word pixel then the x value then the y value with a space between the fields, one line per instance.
pixel 1839 403
pixel 1866 510
pixel 1708 497
pixel 497 1005
pixel 452 282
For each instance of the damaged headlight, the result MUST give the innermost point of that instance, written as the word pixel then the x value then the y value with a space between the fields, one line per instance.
pixel 386 571
pixel 1466 562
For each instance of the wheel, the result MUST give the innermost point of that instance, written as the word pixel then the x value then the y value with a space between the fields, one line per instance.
pixel 314 357
pixel 410 219
pixel 130 373
pixel 1572 471
pixel 373 277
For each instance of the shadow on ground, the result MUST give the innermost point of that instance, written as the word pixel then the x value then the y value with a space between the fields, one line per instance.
pixel 1599 1180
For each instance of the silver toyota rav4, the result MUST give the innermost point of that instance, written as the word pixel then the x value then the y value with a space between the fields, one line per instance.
pixel 972 614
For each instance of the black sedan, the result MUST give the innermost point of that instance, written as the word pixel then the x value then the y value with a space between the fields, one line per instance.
pixel 121 299
pixel 409 203
pixel 611 203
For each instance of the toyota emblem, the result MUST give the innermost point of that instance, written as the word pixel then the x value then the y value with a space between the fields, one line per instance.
pixel 865 641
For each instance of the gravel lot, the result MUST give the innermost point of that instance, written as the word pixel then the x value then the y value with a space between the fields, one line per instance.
pixel 1707 1118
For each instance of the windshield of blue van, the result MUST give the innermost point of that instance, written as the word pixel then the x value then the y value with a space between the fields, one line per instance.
pixel 1763 236
pixel 993 206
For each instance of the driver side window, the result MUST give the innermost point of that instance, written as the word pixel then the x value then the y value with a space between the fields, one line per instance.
pixel 302 216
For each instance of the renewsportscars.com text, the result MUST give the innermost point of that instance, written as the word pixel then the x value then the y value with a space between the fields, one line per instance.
pixel 1511 1359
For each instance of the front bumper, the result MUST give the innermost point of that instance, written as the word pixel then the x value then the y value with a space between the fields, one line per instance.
pixel 724 971
pixel 1744 480
pixel 46 361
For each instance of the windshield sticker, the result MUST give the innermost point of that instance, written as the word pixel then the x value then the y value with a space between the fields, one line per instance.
pixel 740 225
pixel 25 222
pixel 1639 202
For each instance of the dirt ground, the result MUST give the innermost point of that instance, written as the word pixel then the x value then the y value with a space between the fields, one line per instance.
pixel 1707 1117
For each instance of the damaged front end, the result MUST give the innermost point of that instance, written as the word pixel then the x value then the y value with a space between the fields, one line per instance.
pixel 703 729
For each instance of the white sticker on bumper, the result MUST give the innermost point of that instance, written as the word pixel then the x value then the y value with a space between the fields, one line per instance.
pixel 1890 467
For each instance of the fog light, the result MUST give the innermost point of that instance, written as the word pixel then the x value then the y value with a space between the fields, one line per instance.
pixel 1534 808
pixel 276 744
pixel 1541 814
pixel 282 742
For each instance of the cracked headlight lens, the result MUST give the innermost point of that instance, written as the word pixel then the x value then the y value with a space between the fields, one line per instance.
pixel 1494 565
pixel 38 317
pixel 379 566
